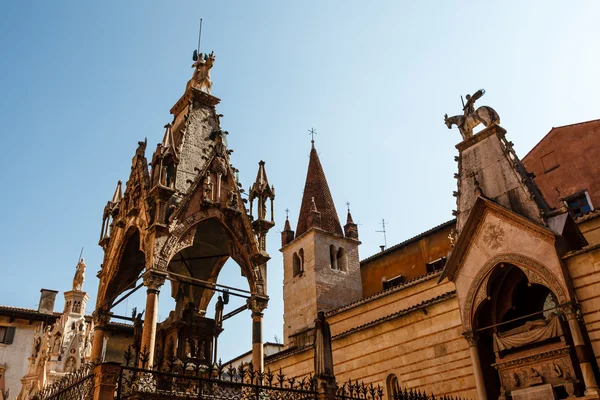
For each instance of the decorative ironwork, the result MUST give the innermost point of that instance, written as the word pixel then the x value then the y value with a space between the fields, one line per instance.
pixel 192 378
pixel 78 385
pixel 359 390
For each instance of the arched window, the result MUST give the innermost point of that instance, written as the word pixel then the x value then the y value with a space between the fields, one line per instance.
pixel 393 386
pixel 342 263
pixel 298 262
pixel 76 306
pixel 332 257
pixel 301 254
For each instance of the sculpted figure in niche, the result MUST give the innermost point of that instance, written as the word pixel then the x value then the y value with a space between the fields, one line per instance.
pixel 79 275
pixel 323 355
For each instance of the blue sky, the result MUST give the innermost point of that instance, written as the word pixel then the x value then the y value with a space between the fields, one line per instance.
pixel 83 82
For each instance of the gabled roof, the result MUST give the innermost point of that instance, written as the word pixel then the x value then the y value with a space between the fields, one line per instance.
pixel 316 188
pixel 473 221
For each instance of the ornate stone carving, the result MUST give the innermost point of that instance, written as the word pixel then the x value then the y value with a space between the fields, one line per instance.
pixel 471 117
pixel 101 317
pixel 257 304
pixel 493 236
pixel 527 265
pixel 79 275
pixel 154 280
pixel 471 338
pixel 202 66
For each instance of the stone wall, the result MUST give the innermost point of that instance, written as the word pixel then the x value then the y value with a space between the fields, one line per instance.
pixel 408 259
pixel 584 269
pixel 15 355
pixel 414 332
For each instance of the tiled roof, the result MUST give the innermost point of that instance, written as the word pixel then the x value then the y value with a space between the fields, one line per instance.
pixel 383 293
pixel 26 312
pixel 434 300
pixel 316 187
pixel 408 241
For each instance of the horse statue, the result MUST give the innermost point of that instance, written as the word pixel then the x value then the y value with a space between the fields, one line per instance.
pixel 472 117
pixel 201 78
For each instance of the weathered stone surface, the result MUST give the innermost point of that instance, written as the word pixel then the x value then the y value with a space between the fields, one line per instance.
pixel 542 392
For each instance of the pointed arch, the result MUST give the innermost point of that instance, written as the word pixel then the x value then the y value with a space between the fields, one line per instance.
pixel 534 270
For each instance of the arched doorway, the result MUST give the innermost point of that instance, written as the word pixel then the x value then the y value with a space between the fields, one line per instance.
pixel 516 321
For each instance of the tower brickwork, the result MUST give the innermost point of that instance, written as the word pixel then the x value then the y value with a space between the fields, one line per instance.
pixel 321 265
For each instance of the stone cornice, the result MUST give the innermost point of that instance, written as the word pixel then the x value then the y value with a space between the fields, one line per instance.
pixel 478 137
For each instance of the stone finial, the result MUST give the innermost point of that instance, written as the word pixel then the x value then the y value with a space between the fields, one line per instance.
pixel 314 216
pixel 287 235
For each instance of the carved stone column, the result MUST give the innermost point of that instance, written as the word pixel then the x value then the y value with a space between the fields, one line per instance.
pixel 153 280
pixel 583 354
pixel 106 376
pixel 257 305
pixel 471 338
pixel 101 319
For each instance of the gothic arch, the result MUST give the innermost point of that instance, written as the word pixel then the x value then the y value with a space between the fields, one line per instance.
pixel 534 270
pixel 182 237
pixel 129 252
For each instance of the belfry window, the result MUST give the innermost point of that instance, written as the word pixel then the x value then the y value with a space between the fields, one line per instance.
pixel 76 306
pixel 578 204
pixel 332 257
pixel 342 263
pixel 298 262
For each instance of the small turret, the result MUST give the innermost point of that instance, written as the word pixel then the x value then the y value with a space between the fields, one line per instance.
pixel 287 235
pixel 313 220
pixel 350 229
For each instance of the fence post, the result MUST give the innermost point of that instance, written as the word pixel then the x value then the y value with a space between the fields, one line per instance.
pixel 326 388
pixel 106 376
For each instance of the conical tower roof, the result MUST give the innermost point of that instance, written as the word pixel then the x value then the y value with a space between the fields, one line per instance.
pixel 316 188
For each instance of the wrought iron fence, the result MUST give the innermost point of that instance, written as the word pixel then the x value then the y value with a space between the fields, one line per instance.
pixel 191 378
pixel 362 391
pixel 78 385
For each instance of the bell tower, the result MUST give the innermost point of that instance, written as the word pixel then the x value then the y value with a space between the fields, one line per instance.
pixel 321 262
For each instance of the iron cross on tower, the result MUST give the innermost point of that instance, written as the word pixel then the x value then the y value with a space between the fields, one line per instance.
pixel 312 132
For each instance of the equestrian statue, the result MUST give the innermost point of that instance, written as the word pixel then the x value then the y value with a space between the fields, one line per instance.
pixel 471 117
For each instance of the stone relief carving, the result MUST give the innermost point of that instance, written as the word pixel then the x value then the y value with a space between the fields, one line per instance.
pixel 493 236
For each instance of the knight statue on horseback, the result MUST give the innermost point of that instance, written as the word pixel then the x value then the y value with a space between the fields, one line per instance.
pixel 472 117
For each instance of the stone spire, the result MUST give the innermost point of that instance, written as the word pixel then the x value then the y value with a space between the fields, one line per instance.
pixel 488 166
pixel 316 191
pixel 118 193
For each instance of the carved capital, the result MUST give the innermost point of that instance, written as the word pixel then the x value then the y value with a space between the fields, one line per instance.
pixel 101 317
pixel 154 280
pixel 571 311
pixel 257 304
pixel 471 338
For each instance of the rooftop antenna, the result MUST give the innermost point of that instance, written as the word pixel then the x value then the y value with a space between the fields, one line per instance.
pixel 384 235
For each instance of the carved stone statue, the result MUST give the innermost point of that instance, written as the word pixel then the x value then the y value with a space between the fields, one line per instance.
pixel 79 275
pixel 323 355
pixel 219 311
pixel 472 117
pixel 201 78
